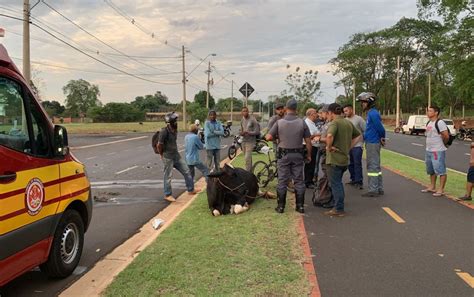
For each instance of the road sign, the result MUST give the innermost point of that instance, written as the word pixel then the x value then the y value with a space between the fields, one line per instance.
pixel 246 90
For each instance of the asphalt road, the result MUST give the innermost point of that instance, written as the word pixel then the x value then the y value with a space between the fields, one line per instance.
pixel 127 183
pixel 368 253
pixel 457 155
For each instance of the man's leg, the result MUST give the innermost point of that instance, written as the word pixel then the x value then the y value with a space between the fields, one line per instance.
pixel 297 174
pixel 284 176
pixel 203 169
pixel 209 156
pixel 248 148
pixel 191 171
pixel 441 170
pixel 181 166
pixel 372 168
pixel 442 182
pixel 317 165
pixel 309 168
pixel 168 166
pixel 351 165
pixel 335 179
pixel 217 159
pixel 357 155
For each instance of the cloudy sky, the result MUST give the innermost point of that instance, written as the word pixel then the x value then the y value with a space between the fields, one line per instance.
pixel 256 39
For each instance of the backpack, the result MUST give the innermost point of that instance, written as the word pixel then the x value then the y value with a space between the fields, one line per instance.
pixel 322 193
pixel 154 141
pixel 451 137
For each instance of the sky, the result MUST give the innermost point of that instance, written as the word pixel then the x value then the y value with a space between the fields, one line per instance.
pixel 255 39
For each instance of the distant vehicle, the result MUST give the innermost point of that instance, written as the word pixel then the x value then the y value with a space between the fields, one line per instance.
pixel 227 129
pixel 450 125
pixel 416 124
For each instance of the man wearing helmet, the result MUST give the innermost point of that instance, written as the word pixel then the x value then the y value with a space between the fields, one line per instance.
pixel 374 137
pixel 168 150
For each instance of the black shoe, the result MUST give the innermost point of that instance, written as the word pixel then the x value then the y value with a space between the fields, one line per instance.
pixel 370 194
pixel 281 200
pixel 328 205
pixel 299 208
pixel 310 186
pixel 381 192
pixel 279 209
pixel 350 183
pixel 465 198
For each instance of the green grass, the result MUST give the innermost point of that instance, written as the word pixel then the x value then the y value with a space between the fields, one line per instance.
pixel 256 253
pixel 416 170
pixel 111 128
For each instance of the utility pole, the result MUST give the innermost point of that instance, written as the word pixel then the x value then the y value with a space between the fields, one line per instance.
pixel 398 93
pixel 232 101
pixel 26 41
pixel 354 95
pixel 429 89
pixel 184 91
pixel 208 83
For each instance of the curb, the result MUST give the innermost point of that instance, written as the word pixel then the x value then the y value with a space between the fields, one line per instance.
pixel 308 265
pixel 102 274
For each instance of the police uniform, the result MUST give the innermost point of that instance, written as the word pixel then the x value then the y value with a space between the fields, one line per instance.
pixel 291 131
pixel 272 122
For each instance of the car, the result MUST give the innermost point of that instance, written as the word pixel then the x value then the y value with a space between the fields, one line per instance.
pixel 451 128
pixel 45 196
pixel 416 124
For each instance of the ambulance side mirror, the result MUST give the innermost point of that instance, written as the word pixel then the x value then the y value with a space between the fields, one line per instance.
pixel 61 148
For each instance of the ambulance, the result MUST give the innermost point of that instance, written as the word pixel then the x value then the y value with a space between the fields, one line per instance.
pixel 45 197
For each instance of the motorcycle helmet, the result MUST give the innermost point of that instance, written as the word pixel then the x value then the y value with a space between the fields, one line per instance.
pixel 171 118
pixel 463 123
pixel 197 123
pixel 368 97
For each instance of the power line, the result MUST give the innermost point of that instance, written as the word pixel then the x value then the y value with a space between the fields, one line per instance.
pixel 101 41
pixel 102 62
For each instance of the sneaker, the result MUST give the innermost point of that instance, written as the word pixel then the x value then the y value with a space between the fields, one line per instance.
pixel 465 198
pixel 381 192
pixel 370 194
pixel 170 198
pixel 335 213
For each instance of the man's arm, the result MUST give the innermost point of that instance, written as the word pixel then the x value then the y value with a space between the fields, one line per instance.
pixel 272 133
pixel 309 148
pixel 220 129
pixel 198 143
pixel 256 129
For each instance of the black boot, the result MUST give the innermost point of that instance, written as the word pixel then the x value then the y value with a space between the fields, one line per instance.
pixel 281 198
pixel 299 202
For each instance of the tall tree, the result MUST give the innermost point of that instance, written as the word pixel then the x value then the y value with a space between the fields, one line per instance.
pixel 303 84
pixel 53 108
pixel 151 103
pixel 80 96
pixel 200 98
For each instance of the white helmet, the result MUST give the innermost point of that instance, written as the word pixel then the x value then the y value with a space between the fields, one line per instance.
pixel 197 122
pixel 463 123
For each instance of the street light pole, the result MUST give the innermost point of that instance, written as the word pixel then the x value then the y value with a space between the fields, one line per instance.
pixel 184 91
pixel 232 101
pixel 26 41
pixel 397 124
pixel 208 83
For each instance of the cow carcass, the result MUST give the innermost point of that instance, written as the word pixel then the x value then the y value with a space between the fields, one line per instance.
pixel 231 190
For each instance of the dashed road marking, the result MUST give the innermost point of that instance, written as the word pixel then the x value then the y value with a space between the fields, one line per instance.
pixel 467 154
pixel 112 153
pixel 469 279
pixel 106 143
pixel 394 216
pixel 416 144
pixel 125 170
pixel 90 158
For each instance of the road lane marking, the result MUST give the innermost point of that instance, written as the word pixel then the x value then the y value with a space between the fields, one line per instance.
pixel 90 158
pixel 469 279
pixel 112 153
pixel 106 143
pixel 467 154
pixel 417 144
pixel 125 170
pixel 394 216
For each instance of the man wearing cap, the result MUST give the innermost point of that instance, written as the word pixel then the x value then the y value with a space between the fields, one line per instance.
pixel 341 137
pixel 279 113
pixel 249 129
pixel 213 131
pixel 311 118
pixel 291 131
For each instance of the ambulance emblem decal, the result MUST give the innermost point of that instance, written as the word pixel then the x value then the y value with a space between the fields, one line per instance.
pixel 34 196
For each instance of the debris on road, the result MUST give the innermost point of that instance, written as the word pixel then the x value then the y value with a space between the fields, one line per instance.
pixel 156 223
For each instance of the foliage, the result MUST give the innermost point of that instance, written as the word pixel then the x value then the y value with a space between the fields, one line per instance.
pixel 53 108
pixel 80 96
pixel 200 98
pixel 151 103
pixel 223 105
pixel 449 10
pixel 304 85
pixel 116 113
pixel 197 111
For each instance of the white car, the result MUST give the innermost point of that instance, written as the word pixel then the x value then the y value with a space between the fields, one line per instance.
pixel 416 124
pixel 450 125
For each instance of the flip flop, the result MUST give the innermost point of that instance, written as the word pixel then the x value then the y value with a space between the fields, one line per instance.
pixel 438 194
pixel 428 191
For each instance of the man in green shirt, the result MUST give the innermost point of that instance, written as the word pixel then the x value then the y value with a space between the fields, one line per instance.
pixel 341 137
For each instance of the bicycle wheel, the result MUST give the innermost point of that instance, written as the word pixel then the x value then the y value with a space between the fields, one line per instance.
pixel 261 171
pixel 232 152
pixel 259 145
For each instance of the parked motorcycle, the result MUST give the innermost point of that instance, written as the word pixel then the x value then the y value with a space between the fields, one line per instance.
pixel 227 129
pixel 237 143
pixel 201 134
pixel 465 133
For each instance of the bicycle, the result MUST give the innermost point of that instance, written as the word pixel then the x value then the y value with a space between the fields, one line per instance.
pixel 265 172
pixel 237 143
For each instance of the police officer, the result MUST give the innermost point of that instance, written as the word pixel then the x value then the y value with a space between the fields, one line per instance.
pixel 291 130
pixel 279 113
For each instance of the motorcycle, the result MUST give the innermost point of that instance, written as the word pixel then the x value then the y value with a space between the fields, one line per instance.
pixel 237 143
pixel 227 129
pixel 201 135
pixel 465 134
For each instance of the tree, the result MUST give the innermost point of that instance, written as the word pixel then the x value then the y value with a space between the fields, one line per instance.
pixel 116 112
pixel 151 103
pixel 197 111
pixel 305 86
pixel 200 98
pixel 449 10
pixel 80 96
pixel 53 108
pixel 223 105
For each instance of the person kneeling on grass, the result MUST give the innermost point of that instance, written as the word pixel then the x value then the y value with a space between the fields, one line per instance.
pixel 192 146
pixel 470 177
pixel 168 150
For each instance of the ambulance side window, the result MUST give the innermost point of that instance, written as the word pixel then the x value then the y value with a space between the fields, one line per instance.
pixel 13 120
pixel 40 128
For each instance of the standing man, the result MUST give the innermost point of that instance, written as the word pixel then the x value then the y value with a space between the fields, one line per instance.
pixel 311 117
pixel 374 137
pixel 192 146
pixel 279 113
pixel 341 137
pixel 213 131
pixel 470 177
pixel 249 129
pixel 168 150
pixel 437 135
pixel 355 165
pixel 291 131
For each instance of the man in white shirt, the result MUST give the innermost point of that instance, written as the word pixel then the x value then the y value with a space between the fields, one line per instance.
pixel 311 117
pixel 437 135
pixel 355 154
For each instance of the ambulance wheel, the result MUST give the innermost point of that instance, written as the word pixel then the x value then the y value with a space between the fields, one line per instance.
pixel 67 245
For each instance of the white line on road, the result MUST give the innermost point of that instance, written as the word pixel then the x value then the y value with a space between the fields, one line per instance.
pixel 125 170
pixel 112 153
pixel 467 154
pixel 90 158
pixel 106 143
pixel 417 144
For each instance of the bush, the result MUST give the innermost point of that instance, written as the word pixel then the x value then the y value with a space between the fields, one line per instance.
pixel 116 113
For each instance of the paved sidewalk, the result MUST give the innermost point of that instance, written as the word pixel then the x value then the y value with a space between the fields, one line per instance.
pixel 368 253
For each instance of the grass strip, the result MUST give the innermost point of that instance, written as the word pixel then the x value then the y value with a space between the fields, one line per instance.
pixel 416 170
pixel 256 253
pixel 111 128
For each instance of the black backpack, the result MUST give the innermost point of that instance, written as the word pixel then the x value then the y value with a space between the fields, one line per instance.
pixel 451 137
pixel 154 141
